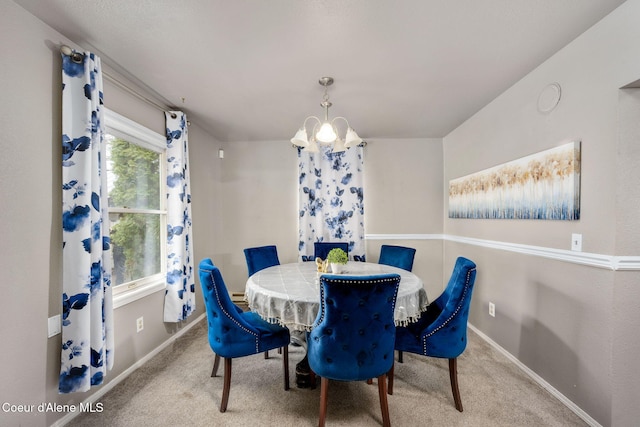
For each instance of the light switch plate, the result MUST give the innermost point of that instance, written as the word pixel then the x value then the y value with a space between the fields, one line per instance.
pixel 576 242
pixel 55 327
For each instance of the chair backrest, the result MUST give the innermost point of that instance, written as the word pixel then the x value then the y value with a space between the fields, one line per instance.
pixel 261 257
pixel 321 249
pixel 229 334
pixel 450 311
pixel 397 256
pixel 354 333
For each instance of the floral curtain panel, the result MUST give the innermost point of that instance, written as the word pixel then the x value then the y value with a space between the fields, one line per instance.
pixel 87 316
pixel 331 200
pixel 179 300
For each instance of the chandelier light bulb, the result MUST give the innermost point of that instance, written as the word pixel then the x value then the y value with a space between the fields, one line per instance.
pixel 312 147
pixel 339 146
pixel 352 139
pixel 326 133
pixel 300 139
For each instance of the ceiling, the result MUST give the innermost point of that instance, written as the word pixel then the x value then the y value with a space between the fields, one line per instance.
pixel 249 69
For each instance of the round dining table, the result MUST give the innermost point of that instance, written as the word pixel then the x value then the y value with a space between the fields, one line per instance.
pixel 289 294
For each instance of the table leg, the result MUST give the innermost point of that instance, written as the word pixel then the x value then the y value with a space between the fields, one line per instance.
pixel 303 374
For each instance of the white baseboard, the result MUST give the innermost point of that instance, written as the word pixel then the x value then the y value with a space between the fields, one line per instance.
pixel 114 382
pixel 537 378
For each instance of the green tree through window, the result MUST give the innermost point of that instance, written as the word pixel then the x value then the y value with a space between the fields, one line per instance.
pixel 135 211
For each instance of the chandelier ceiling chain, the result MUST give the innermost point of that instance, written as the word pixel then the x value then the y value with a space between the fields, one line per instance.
pixel 325 132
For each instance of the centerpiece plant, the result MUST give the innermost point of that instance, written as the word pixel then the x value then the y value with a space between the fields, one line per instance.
pixel 337 258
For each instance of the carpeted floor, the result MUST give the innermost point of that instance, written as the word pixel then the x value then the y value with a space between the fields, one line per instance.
pixel 175 388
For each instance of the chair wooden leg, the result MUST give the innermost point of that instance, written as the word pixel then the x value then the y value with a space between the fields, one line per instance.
pixel 216 363
pixel 285 366
pixel 390 376
pixel 227 384
pixel 400 356
pixel 266 354
pixel 384 405
pixel 453 376
pixel 324 390
pixel 279 350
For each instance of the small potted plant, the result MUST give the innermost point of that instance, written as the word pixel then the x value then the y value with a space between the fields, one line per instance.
pixel 337 259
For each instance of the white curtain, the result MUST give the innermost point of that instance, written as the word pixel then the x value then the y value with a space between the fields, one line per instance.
pixel 179 300
pixel 87 316
pixel 331 200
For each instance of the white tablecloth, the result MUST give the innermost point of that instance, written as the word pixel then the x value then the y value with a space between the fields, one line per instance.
pixel 289 294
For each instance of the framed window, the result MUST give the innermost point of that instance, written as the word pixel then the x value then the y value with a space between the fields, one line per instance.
pixel 137 213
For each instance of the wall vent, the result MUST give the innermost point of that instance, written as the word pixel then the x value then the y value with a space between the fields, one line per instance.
pixel 237 296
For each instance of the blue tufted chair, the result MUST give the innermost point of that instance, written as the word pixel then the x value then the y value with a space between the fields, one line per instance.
pixel 321 249
pixel 353 335
pixel 236 334
pixel 260 258
pixel 441 331
pixel 397 256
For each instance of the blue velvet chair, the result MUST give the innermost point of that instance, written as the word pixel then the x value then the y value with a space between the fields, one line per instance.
pixel 233 333
pixel 261 257
pixel 441 331
pixel 353 336
pixel 321 249
pixel 397 256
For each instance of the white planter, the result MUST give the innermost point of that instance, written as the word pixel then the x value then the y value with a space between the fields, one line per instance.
pixel 337 268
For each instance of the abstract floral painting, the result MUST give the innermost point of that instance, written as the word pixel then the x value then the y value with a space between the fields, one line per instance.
pixel 544 185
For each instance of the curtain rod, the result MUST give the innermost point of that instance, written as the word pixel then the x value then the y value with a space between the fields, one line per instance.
pixel 77 57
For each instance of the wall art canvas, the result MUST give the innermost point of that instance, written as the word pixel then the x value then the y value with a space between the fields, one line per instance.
pixel 544 185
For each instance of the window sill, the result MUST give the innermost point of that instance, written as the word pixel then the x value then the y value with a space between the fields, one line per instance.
pixel 135 294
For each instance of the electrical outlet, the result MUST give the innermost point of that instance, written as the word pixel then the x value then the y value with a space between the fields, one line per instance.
pixel 492 309
pixel 139 324
pixel 55 327
pixel 576 242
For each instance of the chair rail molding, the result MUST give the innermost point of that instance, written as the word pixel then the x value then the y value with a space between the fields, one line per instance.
pixel 609 262
pixel 405 236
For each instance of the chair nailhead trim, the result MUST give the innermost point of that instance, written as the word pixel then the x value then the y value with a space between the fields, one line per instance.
pixel 215 288
pixel 322 309
pixel 466 288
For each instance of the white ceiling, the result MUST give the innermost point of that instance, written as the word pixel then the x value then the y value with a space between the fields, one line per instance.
pixel 249 69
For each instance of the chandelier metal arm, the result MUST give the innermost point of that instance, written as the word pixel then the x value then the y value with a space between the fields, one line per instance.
pixel 325 132
pixel 304 124
pixel 340 117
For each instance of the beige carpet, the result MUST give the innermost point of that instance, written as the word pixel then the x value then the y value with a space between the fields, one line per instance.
pixel 175 389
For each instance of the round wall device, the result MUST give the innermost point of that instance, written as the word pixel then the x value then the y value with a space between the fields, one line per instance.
pixel 549 98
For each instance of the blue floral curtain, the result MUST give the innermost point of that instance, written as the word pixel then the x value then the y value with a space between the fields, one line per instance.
pixel 179 301
pixel 87 316
pixel 331 200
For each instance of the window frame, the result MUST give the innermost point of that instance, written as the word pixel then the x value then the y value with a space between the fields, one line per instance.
pixel 131 131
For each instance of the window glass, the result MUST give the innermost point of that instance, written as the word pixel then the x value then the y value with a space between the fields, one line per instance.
pixel 133 174
pixel 137 213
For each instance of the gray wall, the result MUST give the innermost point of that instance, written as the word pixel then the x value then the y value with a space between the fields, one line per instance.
pixel 259 202
pixel 626 293
pixel 574 325
pixel 30 218
pixel 403 202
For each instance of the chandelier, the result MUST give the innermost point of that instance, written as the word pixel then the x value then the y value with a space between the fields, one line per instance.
pixel 325 132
